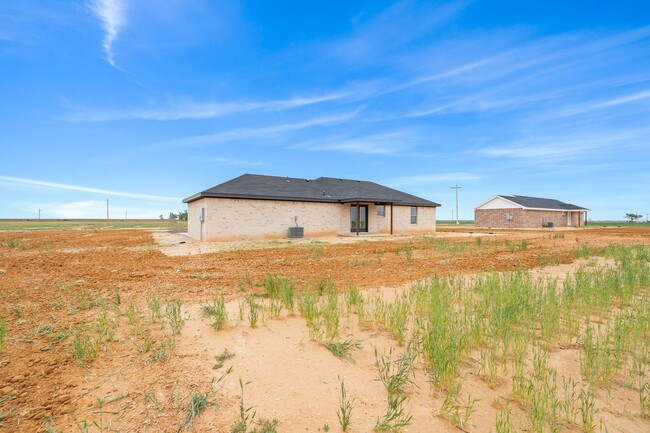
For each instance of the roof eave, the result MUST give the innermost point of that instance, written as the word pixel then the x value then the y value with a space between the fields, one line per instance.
pixel 193 198
pixel 555 210
pixel 263 197
pixel 306 199
pixel 501 197
pixel 369 199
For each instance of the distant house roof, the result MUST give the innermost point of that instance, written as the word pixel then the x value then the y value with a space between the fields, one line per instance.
pixel 323 189
pixel 538 203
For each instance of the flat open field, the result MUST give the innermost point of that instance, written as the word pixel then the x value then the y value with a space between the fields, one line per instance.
pixel 140 330
pixel 75 224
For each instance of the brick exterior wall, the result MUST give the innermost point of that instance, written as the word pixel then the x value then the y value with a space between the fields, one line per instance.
pixel 426 221
pixel 230 219
pixel 525 218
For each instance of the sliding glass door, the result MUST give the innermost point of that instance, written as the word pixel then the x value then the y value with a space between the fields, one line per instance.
pixel 363 218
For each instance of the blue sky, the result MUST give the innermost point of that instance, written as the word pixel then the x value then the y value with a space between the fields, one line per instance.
pixel 146 102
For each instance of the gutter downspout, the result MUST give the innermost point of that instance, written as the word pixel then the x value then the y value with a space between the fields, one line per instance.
pixel 391 218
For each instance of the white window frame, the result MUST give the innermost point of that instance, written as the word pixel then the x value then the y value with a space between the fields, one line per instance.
pixel 414 214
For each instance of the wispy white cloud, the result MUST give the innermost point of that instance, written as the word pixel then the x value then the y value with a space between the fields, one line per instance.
pixel 534 151
pixel 429 178
pixel 600 104
pixel 624 99
pixel 112 15
pixel 248 133
pixel 488 101
pixel 54 185
pixel 384 143
pixel 224 160
pixel 187 109
pixel 558 148
pixel 367 146
pixel 396 27
pixel 31 21
pixel 444 75
pixel 532 72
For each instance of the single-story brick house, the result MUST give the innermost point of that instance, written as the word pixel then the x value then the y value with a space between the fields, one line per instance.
pixel 517 211
pixel 256 206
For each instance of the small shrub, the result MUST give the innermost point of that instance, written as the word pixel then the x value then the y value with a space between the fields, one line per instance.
pixel 644 399
pixel 246 414
pixel 344 412
pixel 3 333
pixel 503 422
pixel 12 243
pixel 197 403
pixel 266 426
pixel 154 308
pixel 408 252
pixel 331 314
pixel 217 312
pixel 343 349
pixel 253 311
pixel 396 416
pixel 174 315
pixel 164 349
pixel 84 349
pixel 224 356
pixel 316 252
pixel 587 411
pixel 395 374
pixel 454 410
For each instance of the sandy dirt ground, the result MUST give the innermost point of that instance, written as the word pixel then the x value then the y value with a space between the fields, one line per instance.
pixel 55 282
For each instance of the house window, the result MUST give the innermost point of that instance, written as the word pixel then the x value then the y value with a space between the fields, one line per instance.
pixel 414 215
pixel 381 210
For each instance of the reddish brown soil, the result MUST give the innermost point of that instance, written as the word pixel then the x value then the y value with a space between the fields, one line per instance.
pixel 52 278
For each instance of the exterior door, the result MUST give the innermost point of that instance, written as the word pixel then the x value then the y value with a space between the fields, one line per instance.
pixel 363 218
pixel 568 218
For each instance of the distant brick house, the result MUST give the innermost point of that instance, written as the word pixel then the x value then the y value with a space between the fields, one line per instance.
pixel 256 206
pixel 516 211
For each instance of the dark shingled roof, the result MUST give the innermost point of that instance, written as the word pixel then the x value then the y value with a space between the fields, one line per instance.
pixel 323 189
pixel 541 203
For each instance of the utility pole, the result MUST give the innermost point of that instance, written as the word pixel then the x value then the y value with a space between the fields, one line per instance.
pixel 107 210
pixel 126 214
pixel 39 213
pixel 456 188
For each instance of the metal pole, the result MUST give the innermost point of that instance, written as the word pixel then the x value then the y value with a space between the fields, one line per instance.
pixel 107 209
pixel 39 213
pixel 391 218
pixel 456 188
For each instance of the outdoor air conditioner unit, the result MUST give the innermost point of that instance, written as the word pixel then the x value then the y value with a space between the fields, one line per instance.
pixel 296 232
